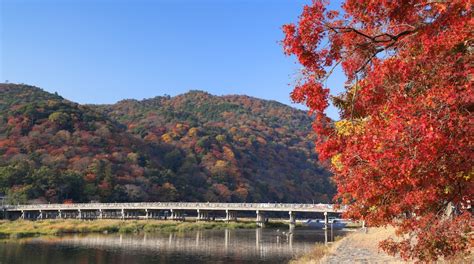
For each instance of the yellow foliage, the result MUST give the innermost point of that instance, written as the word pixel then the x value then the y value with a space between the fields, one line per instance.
pixel 228 153
pixel 193 132
pixel 336 161
pixel 467 176
pixel 167 138
pixel 448 189
pixel 346 127
pixel 220 164
pixel 220 138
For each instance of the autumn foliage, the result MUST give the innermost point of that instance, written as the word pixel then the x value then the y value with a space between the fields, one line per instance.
pixel 192 147
pixel 402 151
pixel 231 148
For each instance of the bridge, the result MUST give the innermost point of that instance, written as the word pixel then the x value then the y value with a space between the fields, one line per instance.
pixel 163 210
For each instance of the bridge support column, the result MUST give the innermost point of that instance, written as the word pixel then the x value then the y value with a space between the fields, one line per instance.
pixel 260 219
pixel 326 222
pixel 101 214
pixel 177 215
pixel 292 220
pixel 173 214
pixel 79 215
pixel 122 214
pixel 230 215
pixel 200 215
pixel 203 215
pixel 60 214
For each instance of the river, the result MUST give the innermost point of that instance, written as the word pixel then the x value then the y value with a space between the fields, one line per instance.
pixel 206 246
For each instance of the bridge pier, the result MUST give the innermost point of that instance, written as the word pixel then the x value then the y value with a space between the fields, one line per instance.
pixel 177 215
pixel 326 222
pixel 172 215
pixel 230 215
pixel 260 219
pixel 202 215
pixel 199 216
pixel 292 218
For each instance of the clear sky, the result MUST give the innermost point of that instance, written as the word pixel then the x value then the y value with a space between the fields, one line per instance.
pixel 106 50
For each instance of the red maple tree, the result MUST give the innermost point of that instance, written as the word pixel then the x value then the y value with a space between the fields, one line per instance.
pixel 402 152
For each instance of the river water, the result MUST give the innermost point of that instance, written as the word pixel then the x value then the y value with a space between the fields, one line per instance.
pixel 206 246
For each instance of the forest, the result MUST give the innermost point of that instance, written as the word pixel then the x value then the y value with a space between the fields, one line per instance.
pixel 191 147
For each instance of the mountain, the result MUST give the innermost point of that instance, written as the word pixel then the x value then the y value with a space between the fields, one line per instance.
pixel 191 147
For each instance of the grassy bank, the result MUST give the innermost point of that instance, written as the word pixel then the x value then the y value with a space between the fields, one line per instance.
pixel 314 256
pixel 20 228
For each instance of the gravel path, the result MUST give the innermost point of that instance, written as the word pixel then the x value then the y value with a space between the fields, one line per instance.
pixel 361 247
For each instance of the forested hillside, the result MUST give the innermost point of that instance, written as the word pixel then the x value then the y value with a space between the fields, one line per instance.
pixel 192 147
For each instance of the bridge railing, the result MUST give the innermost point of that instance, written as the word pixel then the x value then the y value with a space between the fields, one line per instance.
pixel 172 205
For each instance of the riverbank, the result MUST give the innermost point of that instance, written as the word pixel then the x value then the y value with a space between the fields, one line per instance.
pixel 358 247
pixel 22 228
pixel 362 247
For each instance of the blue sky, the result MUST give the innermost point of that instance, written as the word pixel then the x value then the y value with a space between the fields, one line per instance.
pixel 103 51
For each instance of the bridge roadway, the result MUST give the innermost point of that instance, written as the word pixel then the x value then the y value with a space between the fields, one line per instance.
pixel 161 210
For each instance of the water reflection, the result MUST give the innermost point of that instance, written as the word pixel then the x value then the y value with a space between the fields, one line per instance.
pixel 207 246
